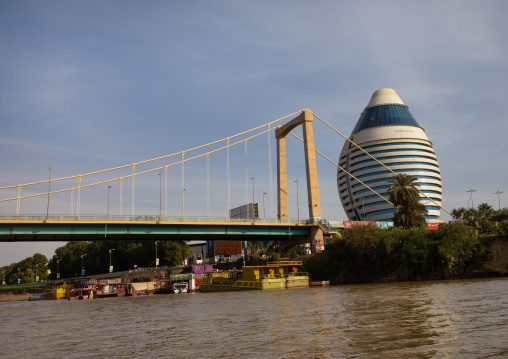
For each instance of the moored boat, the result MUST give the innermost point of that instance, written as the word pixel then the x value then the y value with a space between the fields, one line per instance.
pixel 273 275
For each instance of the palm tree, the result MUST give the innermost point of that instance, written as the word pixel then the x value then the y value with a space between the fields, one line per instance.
pixel 403 189
pixel 404 196
pixel 410 215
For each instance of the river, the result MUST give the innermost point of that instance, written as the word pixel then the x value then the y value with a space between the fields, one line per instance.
pixel 437 319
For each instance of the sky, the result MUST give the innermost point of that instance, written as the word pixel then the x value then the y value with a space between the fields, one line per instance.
pixel 92 85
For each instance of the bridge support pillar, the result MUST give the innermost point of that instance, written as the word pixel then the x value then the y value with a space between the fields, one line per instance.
pixel 305 120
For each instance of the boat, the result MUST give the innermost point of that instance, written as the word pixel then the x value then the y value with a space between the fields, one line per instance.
pixel 180 287
pixel 36 296
pixel 273 275
pixel 58 291
pixel 141 288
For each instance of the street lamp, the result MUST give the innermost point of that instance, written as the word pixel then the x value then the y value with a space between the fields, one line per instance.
pixel 110 267
pixel 36 270
pixel 264 213
pixel 19 269
pixel 297 200
pixel 57 263
pixel 253 200
pixel 108 200
pixel 471 191
pixel 156 259
pixel 82 267
pixel 498 192
pixel 183 201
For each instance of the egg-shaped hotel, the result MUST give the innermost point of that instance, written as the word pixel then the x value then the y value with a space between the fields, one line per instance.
pixel 387 130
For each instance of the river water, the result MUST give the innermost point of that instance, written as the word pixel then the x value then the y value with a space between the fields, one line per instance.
pixel 442 319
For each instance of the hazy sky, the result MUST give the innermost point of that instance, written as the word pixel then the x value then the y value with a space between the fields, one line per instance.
pixel 90 85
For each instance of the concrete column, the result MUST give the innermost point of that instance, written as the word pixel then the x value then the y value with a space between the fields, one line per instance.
pixel 282 180
pixel 310 166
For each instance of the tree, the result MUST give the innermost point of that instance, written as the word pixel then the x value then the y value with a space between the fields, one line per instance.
pixel 404 196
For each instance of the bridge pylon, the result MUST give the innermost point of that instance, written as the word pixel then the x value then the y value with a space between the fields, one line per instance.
pixel 305 119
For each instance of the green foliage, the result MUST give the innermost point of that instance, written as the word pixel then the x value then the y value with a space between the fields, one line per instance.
pixel 368 253
pixel 27 270
pixel 459 248
pixel 124 255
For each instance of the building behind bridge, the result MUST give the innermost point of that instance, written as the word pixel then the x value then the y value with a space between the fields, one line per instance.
pixel 387 130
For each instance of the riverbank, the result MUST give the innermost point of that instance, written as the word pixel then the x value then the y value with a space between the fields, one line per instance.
pixel 10 297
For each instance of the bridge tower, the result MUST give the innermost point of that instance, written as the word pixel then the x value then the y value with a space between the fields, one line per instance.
pixel 305 120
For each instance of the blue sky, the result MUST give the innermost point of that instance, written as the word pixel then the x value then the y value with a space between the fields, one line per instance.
pixel 90 85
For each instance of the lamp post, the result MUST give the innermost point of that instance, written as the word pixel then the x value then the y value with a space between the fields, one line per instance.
pixel 264 213
pixel 499 200
pixel 57 263
pixel 36 270
pixel 49 190
pixel 110 267
pixel 108 200
pixel 156 259
pixel 297 200
pixel 253 199
pixel 19 269
pixel 471 191
pixel 82 267
pixel 183 202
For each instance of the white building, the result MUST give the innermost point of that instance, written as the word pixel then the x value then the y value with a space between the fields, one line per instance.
pixel 387 130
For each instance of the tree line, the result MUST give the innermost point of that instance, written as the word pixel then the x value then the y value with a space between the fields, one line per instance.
pixel 94 257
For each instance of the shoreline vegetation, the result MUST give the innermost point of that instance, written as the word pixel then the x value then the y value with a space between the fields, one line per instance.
pixel 368 254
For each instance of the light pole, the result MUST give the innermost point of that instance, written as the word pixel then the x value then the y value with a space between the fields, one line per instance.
pixel 471 191
pixel 499 200
pixel 183 202
pixel 264 213
pixel 108 200
pixel 36 270
pixel 110 267
pixel 57 263
pixel 160 196
pixel 49 190
pixel 297 200
pixel 19 269
pixel 156 259
pixel 82 267
pixel 253 200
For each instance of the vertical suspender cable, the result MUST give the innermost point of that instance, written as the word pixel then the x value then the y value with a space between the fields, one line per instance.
pixel 78 204
pixel 133 187
pixel 121 182
pixel 270 171
pixel 246 175
pixel 207 185
pixel 183 183
pixel 166 191
pixel 18 200
pixel 72 201
pixel 227 172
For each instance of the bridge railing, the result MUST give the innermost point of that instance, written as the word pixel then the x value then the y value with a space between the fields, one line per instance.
pixel 146 218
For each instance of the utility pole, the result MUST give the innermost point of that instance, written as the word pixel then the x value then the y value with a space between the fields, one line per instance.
pixel 49 190
pixel 498 199
pixel 471 191
pixel 297 200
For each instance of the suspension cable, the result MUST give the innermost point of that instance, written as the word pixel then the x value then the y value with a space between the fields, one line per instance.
pixel 336 165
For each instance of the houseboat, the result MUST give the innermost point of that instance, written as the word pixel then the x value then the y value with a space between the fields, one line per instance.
pixel 273 275
pixel 141 288
pixel 58 291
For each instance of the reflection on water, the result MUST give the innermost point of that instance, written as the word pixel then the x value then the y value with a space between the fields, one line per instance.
pixel 449 319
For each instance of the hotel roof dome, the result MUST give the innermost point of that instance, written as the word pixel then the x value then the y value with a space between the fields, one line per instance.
pixel 385 108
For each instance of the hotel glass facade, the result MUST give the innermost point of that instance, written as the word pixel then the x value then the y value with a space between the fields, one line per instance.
pixel 387 130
